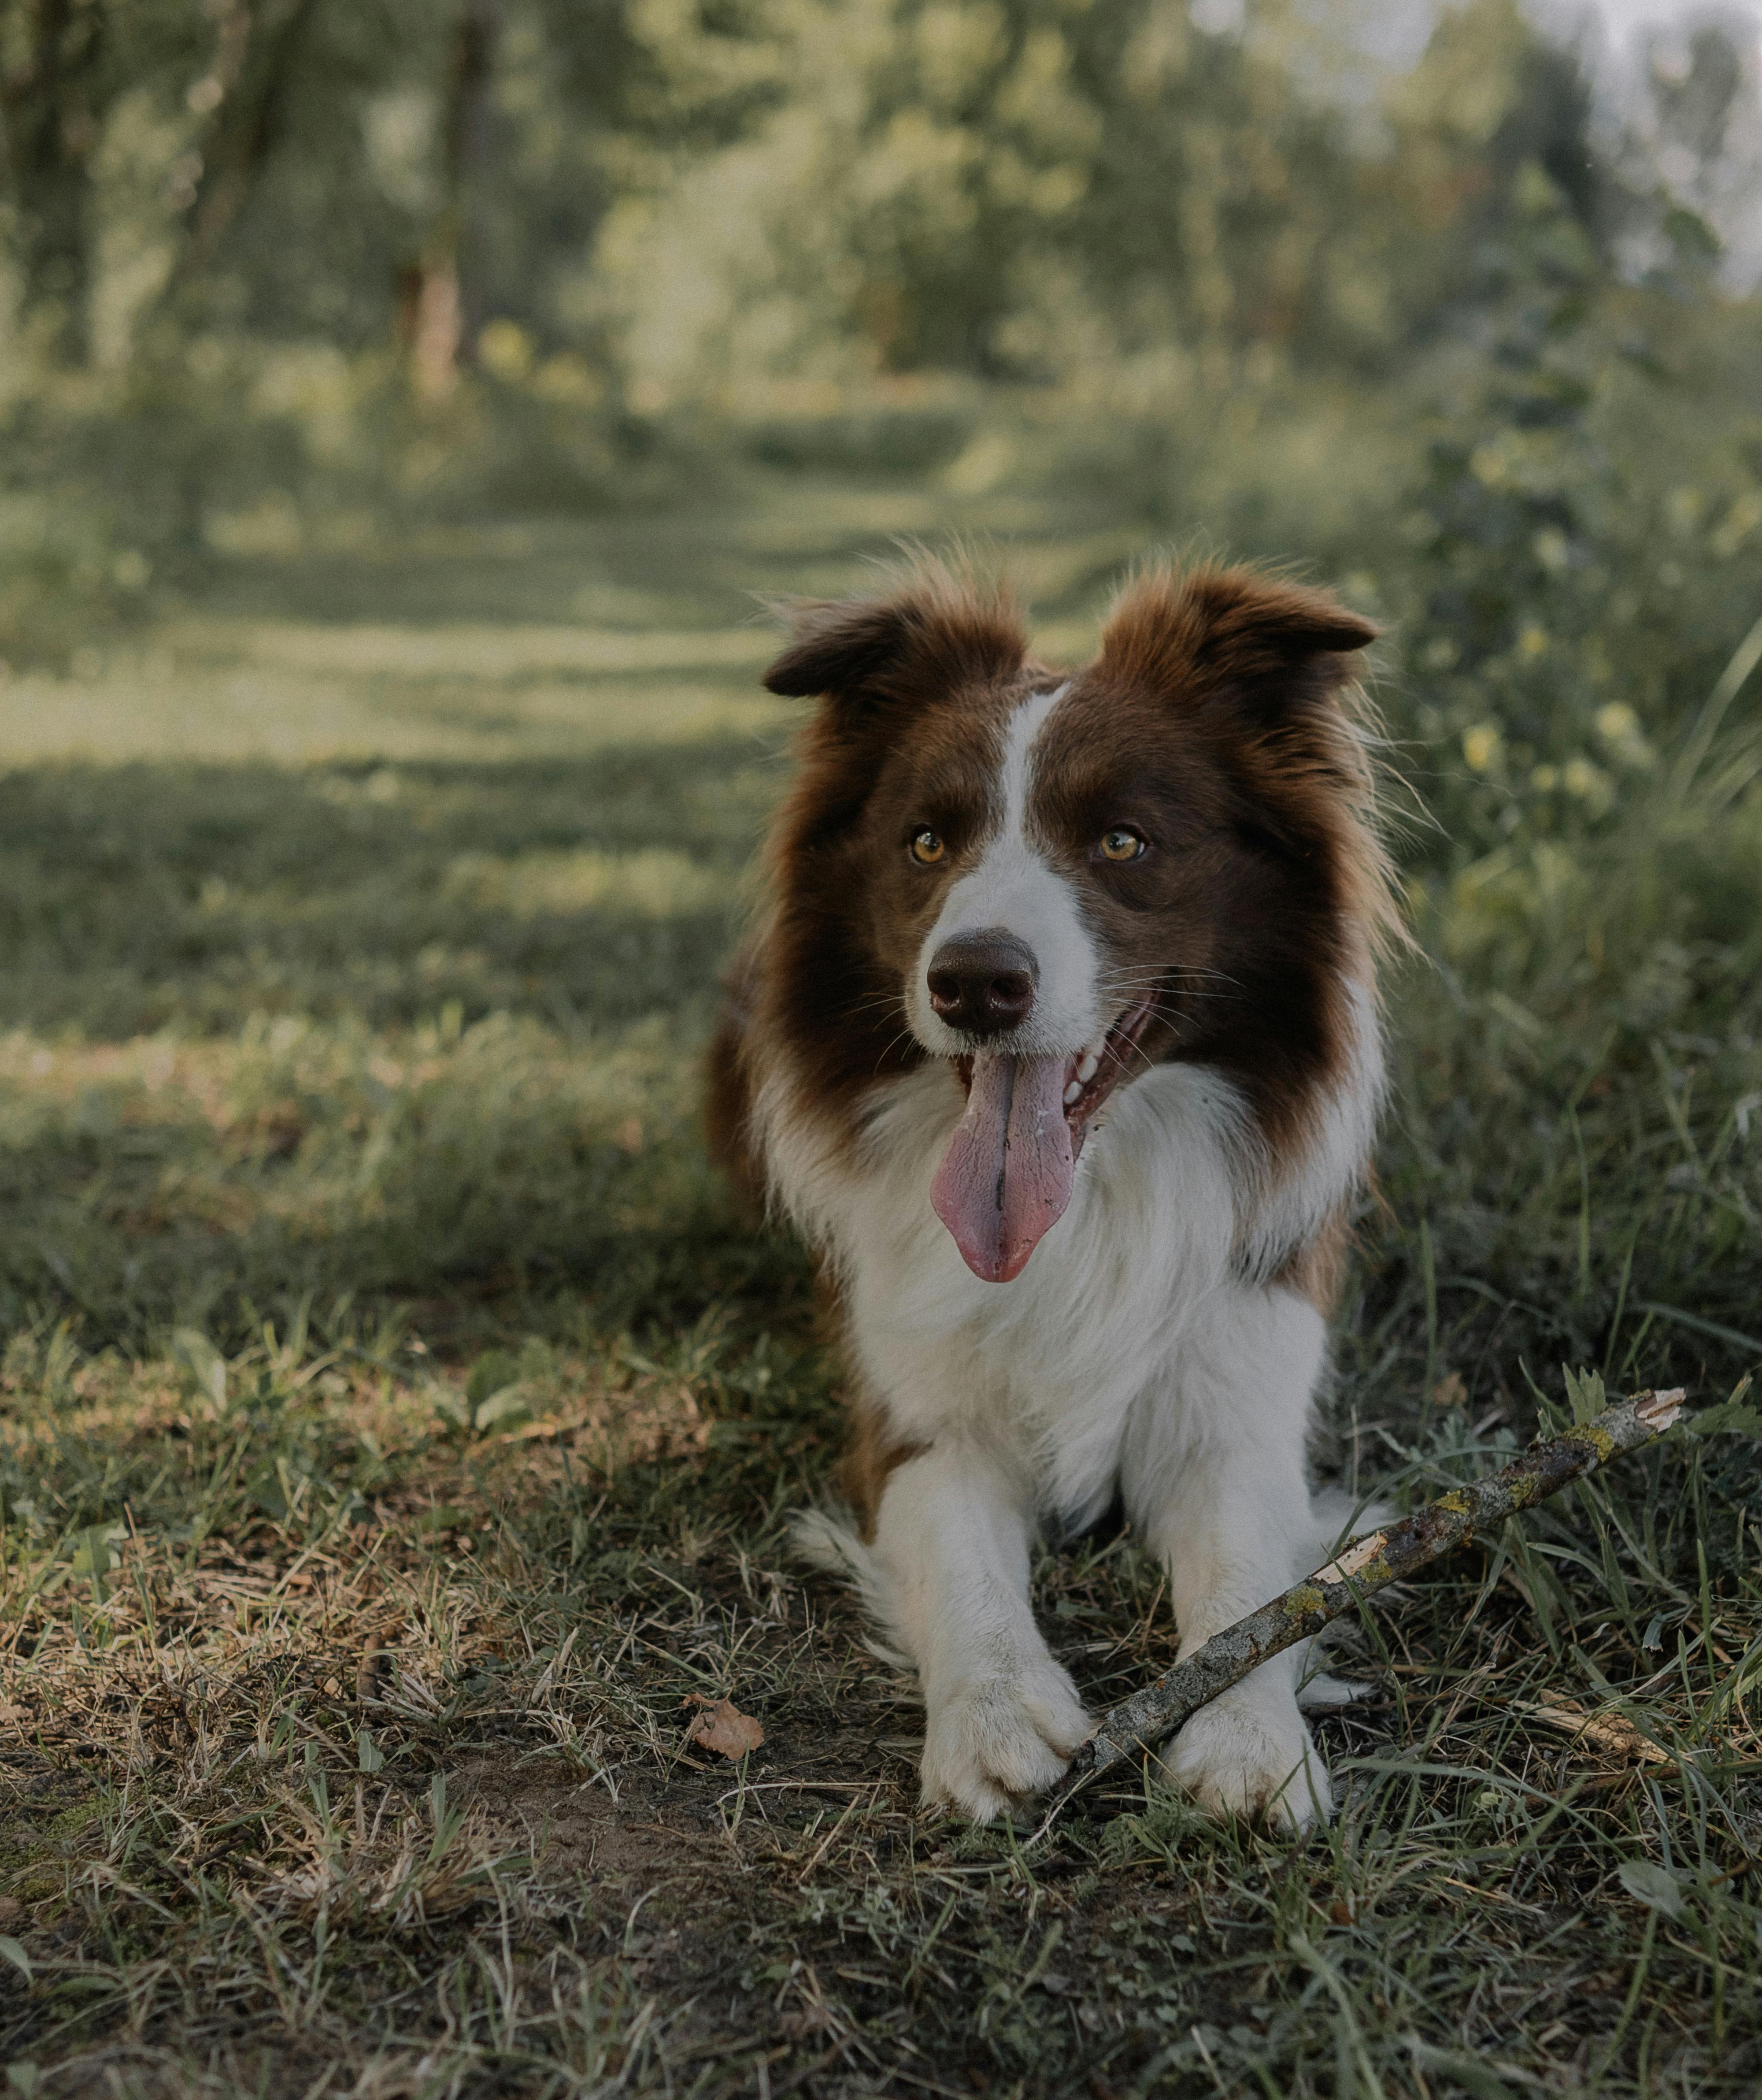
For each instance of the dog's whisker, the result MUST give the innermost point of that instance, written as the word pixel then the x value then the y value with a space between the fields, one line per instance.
pixel 904 1036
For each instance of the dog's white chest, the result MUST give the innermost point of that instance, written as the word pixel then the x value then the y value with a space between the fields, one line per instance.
pixel 1053 1360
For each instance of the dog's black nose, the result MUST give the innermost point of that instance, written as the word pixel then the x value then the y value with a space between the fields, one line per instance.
pixel 983 983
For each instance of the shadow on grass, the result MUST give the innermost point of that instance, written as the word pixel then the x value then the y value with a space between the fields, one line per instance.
pixel 430 1031
pixel 593 891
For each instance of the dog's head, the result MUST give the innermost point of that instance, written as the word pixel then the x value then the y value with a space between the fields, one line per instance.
pixel 1054 883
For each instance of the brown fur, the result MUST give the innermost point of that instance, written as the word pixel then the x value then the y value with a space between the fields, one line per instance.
pixel 1218 717
pixel 1217 712
pixel 1214 719
pixel 916 689
pixel 1317 1270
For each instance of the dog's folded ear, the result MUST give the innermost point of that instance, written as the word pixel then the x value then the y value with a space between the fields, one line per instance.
pixel 838 647
pixel 936 634
pixel 1218 630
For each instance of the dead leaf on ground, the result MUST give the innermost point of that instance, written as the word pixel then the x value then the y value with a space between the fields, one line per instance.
pixel 1450 1391
pixel 1607 1731
pixel 720 1725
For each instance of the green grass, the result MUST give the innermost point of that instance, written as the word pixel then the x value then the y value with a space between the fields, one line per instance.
pixel 398 1423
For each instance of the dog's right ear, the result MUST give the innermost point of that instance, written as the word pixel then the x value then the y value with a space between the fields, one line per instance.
pixel 838 647
pixel 937 635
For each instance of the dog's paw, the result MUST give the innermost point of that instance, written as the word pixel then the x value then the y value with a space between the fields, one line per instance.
pixel 1252 1758
pixel 989 1745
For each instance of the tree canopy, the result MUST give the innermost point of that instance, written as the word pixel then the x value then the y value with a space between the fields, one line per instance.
pixel 691 196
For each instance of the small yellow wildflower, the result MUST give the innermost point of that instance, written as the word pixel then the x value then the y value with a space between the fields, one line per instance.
pixel 1545 779
pixel 1619 728
pixel 1481 746
pixel 1532 641
pixel 1552 549
pixel 505 349
pixel 1589 782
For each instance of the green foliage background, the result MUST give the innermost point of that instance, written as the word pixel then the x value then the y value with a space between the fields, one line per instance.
pixel 1443 329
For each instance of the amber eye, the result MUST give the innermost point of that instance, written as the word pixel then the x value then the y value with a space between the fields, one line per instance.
pixel 1122 843
pixel 926 848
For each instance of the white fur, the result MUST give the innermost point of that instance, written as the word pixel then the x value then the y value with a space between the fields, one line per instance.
pixel 1015 889
pixel 1294 1206
pixel 1213 1473
pixel 1138 1350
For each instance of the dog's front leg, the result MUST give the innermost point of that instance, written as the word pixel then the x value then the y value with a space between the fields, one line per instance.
pixel 1215 1473
pixel 952 1540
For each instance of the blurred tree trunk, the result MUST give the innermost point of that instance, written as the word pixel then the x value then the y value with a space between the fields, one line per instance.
pixel 245 93
pixel 439 306
pixel 50 98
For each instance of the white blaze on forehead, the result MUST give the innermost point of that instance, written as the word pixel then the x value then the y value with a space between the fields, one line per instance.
pixel 1015 889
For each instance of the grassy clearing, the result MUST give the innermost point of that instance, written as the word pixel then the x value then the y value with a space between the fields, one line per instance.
pixel 397 1426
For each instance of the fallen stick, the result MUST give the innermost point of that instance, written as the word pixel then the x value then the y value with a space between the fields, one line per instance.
pixel 1548 1465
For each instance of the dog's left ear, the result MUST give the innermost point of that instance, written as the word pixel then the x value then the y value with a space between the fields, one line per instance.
pixel 1269 645
pixel 936 634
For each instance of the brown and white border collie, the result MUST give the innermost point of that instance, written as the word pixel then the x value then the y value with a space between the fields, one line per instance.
pixel 1058 1036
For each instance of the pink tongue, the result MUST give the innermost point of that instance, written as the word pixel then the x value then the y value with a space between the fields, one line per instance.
pixel 1005 1177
